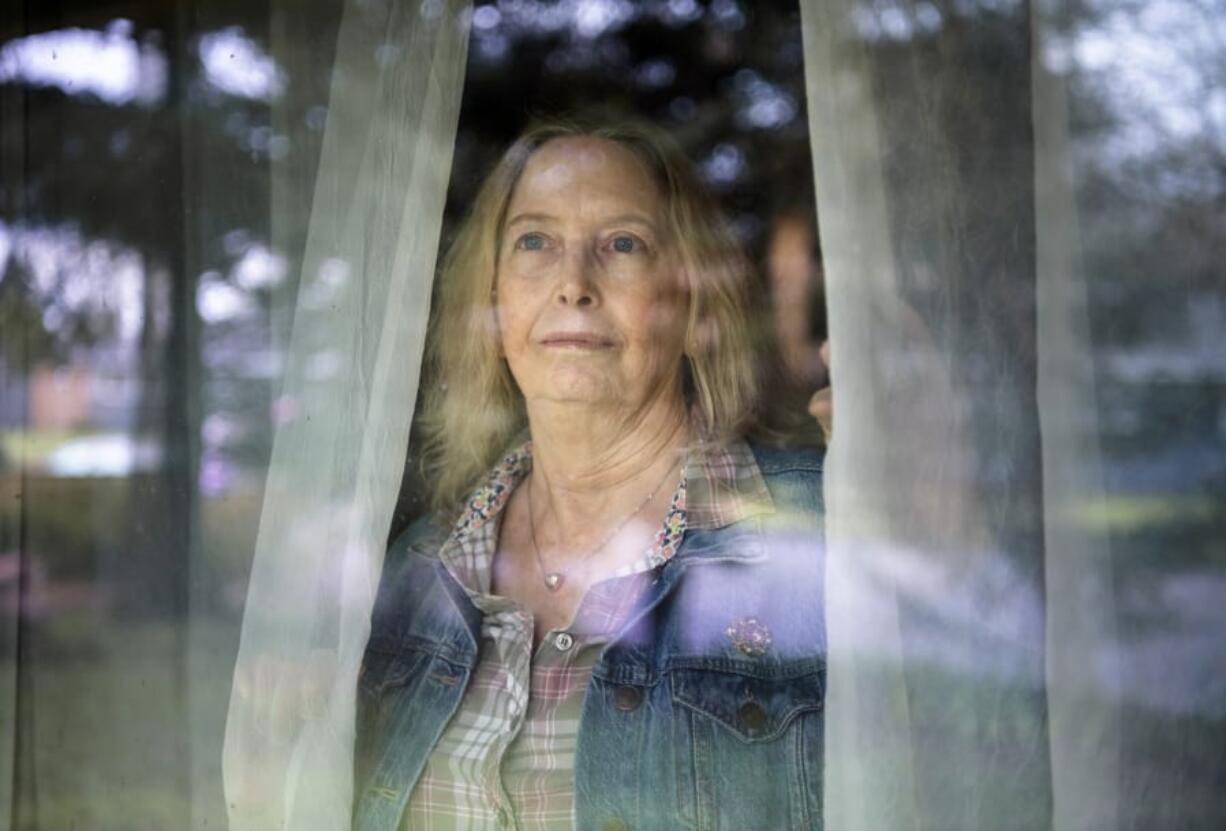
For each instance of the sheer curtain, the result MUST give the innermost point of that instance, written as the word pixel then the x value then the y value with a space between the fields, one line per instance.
pixel 361 308
pixel 1012 645
pixel 934 631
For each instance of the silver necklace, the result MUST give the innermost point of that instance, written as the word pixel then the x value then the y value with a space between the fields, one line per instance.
pixel 554 579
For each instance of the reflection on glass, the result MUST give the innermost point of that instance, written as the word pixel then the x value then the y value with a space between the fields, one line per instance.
pixel 236 65
pixel 109 64
pixel 144 319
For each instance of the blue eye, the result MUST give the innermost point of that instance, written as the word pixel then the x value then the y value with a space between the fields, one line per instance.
pixel 624 245
pixel 531 242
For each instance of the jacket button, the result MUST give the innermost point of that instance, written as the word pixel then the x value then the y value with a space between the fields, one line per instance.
pixel 752 715
pixel 614 824
pixel 627 698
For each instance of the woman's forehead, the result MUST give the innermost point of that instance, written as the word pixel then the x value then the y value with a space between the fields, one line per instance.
pixel 590 167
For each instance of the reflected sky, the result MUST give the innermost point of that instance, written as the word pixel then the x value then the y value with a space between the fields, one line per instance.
pixel 258 268
pixel 584 18
pixel 76 285
pixel 71 275
pixel 591 19
pixel 762 104
pixel 109 65
pixel 725 165
pixel 218 301
pixel 1159 64
pixel 235 65
pixel 592 35
pixel 895 20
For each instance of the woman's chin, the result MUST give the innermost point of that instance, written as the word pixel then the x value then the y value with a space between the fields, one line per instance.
pixel 581 395
pixel 580 386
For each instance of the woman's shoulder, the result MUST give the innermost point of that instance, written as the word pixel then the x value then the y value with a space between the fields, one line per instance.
pixel 411 574
pixel 418 543
pixel 793 476
pixel 422 535
pixel 774 459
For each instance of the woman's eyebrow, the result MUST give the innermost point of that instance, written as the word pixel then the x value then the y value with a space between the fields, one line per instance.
pixel 530 217
pixel 620 219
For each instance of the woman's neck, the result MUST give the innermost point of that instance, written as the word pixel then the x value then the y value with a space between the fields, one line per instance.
pixel 592 466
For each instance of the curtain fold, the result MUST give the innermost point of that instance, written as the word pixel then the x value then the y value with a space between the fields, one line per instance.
pixel 344 410
pixel 868 726
pixel 1080 586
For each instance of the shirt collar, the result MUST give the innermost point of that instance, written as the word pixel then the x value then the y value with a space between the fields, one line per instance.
pixel 724 485
pixel 489 498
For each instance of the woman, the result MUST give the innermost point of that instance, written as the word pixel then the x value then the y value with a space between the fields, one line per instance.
pixel 613 618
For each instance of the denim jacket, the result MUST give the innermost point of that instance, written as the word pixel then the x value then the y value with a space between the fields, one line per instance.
pixel 704 713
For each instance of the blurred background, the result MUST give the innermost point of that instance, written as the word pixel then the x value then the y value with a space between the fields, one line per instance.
pixel 145 312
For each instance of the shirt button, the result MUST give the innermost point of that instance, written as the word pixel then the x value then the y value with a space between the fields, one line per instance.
pixel 627 698
pixel 563 641
pixel 752 716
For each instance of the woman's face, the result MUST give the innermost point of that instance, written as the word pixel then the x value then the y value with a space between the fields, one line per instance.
pixel 590 302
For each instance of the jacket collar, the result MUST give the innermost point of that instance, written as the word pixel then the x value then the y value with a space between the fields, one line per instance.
pixel 739 542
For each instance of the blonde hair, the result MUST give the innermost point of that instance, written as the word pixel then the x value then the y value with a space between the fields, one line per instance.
pixel 472 408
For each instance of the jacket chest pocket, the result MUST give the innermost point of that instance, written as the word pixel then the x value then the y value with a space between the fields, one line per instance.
pixel 382 672
pixel 381 679
pixel 384 681
pixel 748 749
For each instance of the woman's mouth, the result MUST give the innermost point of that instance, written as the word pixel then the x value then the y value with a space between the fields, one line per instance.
pixel 576 340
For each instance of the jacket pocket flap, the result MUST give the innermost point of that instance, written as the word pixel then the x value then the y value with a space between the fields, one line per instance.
pixel 381 670
pixel 754 709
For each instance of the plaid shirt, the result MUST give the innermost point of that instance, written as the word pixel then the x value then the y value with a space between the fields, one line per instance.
pixel 507 757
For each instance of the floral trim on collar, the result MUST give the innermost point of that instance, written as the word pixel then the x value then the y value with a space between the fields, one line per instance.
pixel 487 501
pixel 668 538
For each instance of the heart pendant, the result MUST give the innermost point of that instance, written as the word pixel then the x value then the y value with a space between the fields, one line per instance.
pixel 553 581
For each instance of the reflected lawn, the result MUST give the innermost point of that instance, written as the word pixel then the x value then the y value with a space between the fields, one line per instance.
pixel 126 734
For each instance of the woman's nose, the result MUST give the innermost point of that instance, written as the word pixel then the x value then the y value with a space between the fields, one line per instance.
pixel 577 286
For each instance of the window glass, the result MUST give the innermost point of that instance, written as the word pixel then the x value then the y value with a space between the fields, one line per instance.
pixel 219 228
